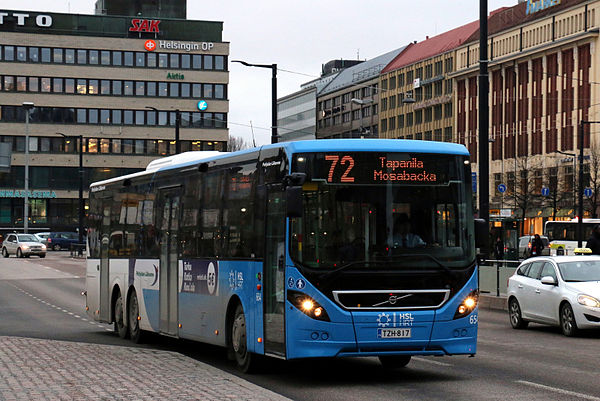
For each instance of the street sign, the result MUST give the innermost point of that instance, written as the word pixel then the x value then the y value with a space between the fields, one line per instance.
pixel 545 191
pixel 474 181
pixel 501 188
pixel 588 192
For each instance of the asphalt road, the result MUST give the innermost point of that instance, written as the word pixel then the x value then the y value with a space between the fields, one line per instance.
pixel 41 298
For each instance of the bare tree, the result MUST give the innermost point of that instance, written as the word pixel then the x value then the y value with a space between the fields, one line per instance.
pixel 526 192
pixel 557 196
pixel 592 203
pixel 236 143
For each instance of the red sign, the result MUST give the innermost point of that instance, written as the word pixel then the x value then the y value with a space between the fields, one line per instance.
pixel 144 25
pixel 150 45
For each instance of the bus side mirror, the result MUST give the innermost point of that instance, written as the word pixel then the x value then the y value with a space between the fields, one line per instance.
pixel 293 201
pixel 481 233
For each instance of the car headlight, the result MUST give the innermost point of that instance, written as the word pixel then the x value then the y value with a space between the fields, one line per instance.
pixel 586 300
pixel 25 247
pixel 468 305
pixel 43 247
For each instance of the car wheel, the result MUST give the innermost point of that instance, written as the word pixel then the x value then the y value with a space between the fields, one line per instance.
pixel 245 360
pixel 568 325
pixel 42 255
pixel 394 361
pixel 56 247
pixel 514 311
pixel 5 253
pixel 121 327
pixel 133 313
pixel 19 253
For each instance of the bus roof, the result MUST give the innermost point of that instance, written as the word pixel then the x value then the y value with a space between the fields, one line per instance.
pixel 322 145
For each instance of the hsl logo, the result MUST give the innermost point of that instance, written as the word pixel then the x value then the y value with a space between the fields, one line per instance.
pixel 150 45
pixel 535 6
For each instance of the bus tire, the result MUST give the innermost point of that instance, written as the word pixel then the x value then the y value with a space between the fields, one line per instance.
pixel 245 360
pixel 133 312
pixel 394 361
pixel 121 326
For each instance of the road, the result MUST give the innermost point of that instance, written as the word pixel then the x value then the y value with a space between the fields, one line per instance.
pixel 40 298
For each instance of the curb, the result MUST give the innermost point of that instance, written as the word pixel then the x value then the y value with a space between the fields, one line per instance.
pixel 492 302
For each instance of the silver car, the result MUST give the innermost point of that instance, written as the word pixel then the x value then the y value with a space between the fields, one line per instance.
pixel 556 290
pixel 22 245
pixel 42 237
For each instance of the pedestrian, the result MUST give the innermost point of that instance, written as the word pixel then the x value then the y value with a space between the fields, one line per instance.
pixel 536 246
pixel 499 249
pixel 594 242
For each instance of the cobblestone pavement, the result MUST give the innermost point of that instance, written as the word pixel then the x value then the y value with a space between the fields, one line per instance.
pixel 34 369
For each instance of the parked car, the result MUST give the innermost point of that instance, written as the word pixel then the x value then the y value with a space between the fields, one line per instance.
pixel 556 290
pixel 62 240
pixel 22 245
pixel 525 246
pixel 42 237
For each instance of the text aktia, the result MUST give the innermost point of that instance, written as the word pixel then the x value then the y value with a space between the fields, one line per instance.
pixel 41 20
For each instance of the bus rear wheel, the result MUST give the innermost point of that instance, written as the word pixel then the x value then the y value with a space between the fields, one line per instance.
pixel 245 360
pixel 133 313
pixel 394 361
pixel 121 326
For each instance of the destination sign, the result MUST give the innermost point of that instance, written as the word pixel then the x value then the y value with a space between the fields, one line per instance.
pixel 378 168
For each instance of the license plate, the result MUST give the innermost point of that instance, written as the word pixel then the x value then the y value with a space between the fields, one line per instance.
pixel 393 333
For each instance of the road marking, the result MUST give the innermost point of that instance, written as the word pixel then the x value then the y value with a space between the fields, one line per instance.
pixel 559 390
pixel 430 361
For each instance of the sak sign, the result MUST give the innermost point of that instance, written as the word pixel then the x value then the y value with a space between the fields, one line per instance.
pixel 535 6
pixel 144 25
pixel 41 20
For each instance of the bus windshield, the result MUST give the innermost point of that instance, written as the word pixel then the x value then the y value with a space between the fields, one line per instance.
pixel 388 223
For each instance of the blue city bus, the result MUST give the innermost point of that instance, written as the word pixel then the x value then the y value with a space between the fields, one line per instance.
pixel 292 250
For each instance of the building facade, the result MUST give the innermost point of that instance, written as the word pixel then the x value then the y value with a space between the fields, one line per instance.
pixel 123 84
pixel 348 106
pixel 543 75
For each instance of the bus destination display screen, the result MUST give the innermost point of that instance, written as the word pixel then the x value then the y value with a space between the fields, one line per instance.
pixel 378 168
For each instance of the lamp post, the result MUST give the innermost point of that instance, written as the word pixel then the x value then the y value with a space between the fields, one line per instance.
pixel 273 67
pixel 81 173
pixel 361 103
pixel 177 125
pixel 28 106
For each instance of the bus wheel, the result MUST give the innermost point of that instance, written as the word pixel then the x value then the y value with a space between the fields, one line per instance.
pixel 394 361
pixel 120 321
pixel 244 359
pixel 135 333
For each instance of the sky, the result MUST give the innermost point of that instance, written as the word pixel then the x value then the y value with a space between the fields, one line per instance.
pixel 299 37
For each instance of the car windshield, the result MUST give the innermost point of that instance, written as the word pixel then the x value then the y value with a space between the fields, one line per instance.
pixel 386 224
pixel 27 238
pixel 583 270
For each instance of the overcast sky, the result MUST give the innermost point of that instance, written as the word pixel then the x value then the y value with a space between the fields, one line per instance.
pixel 300 36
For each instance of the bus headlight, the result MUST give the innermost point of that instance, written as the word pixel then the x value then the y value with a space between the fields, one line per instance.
pixel 307 305
pixel 467 305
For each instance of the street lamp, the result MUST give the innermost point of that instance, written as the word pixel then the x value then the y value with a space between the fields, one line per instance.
pixel 361 103
pixel 81 173
pixel 273 67
pixel 177 124
pixel 28 106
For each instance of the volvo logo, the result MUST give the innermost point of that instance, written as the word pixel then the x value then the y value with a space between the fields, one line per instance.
pixel 393 299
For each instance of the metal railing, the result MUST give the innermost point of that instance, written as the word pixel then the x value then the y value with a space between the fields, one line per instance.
pixel 78 250
pixel 494 274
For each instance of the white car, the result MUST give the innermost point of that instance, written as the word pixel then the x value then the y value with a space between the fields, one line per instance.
pixel 22 245
pixel 556 290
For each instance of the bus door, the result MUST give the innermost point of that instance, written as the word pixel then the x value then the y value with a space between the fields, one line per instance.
pixel 104 306
pixel 169 207
pixel 274 272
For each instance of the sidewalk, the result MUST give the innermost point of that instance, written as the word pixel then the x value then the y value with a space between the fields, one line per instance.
pixel 488 301
pixel 34 369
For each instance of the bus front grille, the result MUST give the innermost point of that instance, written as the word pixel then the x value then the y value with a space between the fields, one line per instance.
pixel 391 299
